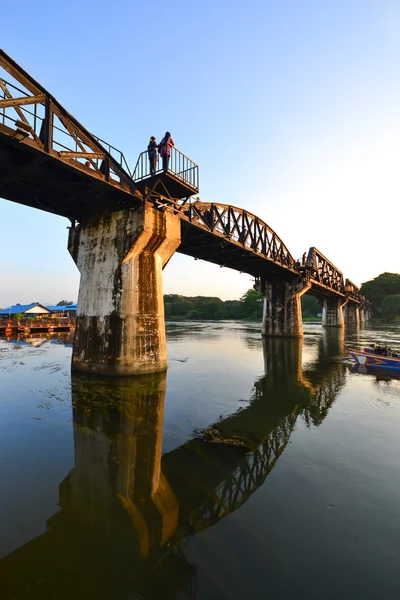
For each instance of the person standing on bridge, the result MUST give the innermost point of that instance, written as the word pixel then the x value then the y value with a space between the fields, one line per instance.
pixel 165 149
pixel 152 154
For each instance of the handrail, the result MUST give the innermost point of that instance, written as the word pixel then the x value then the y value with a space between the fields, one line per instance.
pixel 177 163
pixel 35 114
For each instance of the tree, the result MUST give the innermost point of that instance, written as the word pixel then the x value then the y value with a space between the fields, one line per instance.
pixel 64 303
pixel 250 306
pixel 253 303
pixel 310 307
pixel 390 308
pixel 376 290
pixel 192 315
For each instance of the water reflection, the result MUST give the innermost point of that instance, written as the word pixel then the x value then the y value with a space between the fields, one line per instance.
pixel 126 511
pixel 380 374
pixel 38 339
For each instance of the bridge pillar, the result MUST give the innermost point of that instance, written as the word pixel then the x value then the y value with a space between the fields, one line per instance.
pixel 332 314
pixel 282 308
pixel 352 314
pixel 361 314
pixel 120 328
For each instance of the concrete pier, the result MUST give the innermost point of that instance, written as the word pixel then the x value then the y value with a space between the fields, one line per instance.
pixel 282 308
pixel 332 314
pixel 352 314
pixel 120 328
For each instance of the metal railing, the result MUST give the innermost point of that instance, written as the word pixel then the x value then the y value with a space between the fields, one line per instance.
pixel 37 116
pixel 177 164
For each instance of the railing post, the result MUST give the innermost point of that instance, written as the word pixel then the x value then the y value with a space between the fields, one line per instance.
pixel 105 167
pixel 46 131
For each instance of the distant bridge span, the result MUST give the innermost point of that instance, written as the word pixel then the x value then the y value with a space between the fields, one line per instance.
pixel 126 226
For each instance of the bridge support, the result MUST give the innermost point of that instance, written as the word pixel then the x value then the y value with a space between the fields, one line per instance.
pixel 120 328
pixel 352 314
pixel 367 315
pixel 282 308
pixel 332 314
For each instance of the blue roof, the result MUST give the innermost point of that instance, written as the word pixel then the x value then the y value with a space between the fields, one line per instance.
pixel 15 309
pixel 62 308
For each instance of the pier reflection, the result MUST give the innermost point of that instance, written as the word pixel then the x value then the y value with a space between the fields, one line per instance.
pixel 127 512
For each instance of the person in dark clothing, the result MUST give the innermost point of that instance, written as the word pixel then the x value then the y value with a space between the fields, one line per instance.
pixel 165 149
pixel 152 153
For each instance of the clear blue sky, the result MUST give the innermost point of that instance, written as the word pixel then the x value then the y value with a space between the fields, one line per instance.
pixel 290 107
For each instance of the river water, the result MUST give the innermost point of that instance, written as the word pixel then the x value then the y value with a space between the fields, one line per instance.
pixel 250 470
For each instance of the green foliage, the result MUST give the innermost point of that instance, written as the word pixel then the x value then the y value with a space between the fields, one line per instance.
pixel 198 307
pixel 64 303
pixel 253 303
pixel 390 308
pixel 18 316
pixel 250 306
pixel 376 290
pixel 310 307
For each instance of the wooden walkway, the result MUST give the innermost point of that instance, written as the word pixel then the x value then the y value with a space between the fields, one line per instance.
pixel 10 327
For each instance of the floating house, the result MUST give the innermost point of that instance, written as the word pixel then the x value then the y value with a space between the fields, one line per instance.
pixel 38 311
pixel 69 310
pixel 35 310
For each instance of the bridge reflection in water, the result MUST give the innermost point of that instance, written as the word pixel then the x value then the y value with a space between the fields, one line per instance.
pixel 127 512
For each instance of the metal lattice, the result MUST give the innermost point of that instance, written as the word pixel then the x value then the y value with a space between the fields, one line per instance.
pixel 239 227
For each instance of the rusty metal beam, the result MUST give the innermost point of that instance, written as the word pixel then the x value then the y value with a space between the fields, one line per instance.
pixel 94 155
pixel 21 101
pixel 18 110
pixel 19 74
pixel 73 127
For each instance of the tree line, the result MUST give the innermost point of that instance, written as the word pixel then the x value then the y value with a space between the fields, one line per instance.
pixel 250 307
pixel 384 293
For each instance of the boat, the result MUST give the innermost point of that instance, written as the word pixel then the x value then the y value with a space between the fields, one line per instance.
pixel 376 357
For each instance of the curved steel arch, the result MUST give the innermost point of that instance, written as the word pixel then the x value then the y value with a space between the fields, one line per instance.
pixel 240 227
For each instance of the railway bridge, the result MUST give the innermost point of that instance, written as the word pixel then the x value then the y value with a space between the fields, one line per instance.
pixel 125 226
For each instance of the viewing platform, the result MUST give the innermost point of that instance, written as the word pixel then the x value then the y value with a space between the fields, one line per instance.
pixel 179 180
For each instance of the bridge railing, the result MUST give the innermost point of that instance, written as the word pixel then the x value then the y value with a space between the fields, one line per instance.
pixel 316 267
pixel 352 291
pixel 179 165
pixel 35 115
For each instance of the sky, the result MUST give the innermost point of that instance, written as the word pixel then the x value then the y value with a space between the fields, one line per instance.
pixel 289 107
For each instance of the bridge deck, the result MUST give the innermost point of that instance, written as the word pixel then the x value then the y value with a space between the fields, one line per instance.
pixel 34 178
pixel 206 245
pixel 166 183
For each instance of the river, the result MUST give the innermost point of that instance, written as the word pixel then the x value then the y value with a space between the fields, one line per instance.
pixel 249 470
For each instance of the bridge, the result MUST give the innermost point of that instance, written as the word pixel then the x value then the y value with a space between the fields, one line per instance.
pixel 125 504
pixel 125 226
